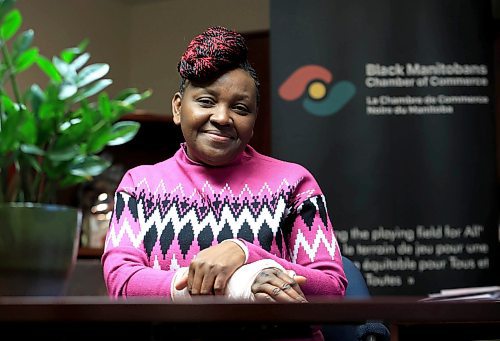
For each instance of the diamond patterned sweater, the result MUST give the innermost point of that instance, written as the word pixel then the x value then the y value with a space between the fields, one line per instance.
pixel 164 214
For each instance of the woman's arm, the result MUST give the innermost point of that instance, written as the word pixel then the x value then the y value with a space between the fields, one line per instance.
pixel 125 259
pixel 313 250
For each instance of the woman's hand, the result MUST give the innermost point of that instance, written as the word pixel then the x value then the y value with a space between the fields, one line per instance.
pixel 210 270
pixel 274 285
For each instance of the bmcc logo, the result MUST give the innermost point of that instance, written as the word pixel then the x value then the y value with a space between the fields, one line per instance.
pixel 315 80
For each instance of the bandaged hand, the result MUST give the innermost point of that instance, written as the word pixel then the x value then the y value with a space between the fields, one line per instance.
pixel 211 269
pixel 250 282
pixel 277 285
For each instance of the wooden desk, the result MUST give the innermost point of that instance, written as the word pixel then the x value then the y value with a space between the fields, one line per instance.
pixel 84 318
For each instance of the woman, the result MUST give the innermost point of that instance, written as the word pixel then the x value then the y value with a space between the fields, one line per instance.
pixel 218 218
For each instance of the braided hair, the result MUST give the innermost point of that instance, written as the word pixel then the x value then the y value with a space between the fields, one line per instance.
pixel 211 54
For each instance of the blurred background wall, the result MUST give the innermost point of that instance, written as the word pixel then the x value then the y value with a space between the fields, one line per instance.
pixel 142 40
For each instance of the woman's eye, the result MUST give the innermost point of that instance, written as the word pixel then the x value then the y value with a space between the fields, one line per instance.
pixel 205 101
pixel 240 108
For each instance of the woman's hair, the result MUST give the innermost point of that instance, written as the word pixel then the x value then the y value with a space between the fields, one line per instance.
pixel 213 53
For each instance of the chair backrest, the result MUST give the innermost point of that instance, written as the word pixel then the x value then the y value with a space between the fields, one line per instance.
pixel 356 288
pixel 356 282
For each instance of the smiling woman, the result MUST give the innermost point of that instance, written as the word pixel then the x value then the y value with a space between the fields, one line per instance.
pixel 217 120
pixel 219 218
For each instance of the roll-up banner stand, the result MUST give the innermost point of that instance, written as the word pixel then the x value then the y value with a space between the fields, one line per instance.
pixel 390 104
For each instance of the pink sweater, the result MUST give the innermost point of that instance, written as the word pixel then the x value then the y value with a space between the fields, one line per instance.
pixel 166 213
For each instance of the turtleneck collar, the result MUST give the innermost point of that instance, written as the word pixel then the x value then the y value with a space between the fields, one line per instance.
pixel 243 155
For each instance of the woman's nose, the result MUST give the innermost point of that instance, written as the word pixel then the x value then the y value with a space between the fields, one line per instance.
pixel 221 115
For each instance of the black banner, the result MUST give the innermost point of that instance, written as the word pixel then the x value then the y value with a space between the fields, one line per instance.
pixel 390 105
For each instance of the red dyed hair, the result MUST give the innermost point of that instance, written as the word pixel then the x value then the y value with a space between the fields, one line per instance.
pixel 212 53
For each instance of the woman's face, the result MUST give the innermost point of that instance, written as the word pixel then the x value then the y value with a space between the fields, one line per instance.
pixel 217 118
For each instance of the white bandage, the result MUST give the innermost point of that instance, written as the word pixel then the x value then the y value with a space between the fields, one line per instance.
pixel 183 294
pixel 239 286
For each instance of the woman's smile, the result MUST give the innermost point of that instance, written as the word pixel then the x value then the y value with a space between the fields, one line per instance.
pixel 218 136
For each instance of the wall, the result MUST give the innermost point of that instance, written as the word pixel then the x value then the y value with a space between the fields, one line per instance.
pixel 141 40
pixel 161 30
pixel 62 24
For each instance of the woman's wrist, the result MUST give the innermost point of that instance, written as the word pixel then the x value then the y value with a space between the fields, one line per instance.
pixel 241 244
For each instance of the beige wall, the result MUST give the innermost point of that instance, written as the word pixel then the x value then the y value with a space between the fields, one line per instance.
pixel 142 40
pixel 161 30
pixel 62 24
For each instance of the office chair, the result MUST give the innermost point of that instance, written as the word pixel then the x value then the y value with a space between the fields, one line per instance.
pixel 368 331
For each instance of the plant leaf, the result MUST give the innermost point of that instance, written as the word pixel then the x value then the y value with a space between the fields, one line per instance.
pixel 123 132
pixel 89 166
pixel 11 24
pixel 91 73
pixel 22 43
pixel 5 6
pixel 83 44
pixel 49 69
pixel 136 97
pixel 125 93
pixel 132 99
pixel 36 96
pixel 80 61
pixel 8 134
pixel 70 53
pixel 6 103
pixel 93 89
pixel 3 68
pixel 46 112
pixel 71 180
pixel 99 138
pixel 67 90
pixel 105 105
pixel 67 55
pixel 26 59
pixel 76 131
pixel 64 154
pixel 32 149
pixel 67 72
pixel 68 124
pixel 28 129
pixel 32 161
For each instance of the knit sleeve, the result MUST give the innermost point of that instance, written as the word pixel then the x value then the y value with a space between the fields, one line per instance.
pixel 312 247
pixel 126 267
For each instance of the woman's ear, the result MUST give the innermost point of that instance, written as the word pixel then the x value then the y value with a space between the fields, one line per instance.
pixel 176 108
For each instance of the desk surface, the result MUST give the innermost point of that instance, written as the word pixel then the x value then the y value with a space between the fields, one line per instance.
pixel 209 309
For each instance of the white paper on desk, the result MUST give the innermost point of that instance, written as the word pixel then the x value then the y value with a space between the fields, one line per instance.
pixel 471 293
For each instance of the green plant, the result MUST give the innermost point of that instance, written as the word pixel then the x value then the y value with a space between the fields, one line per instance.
pixel 52 137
